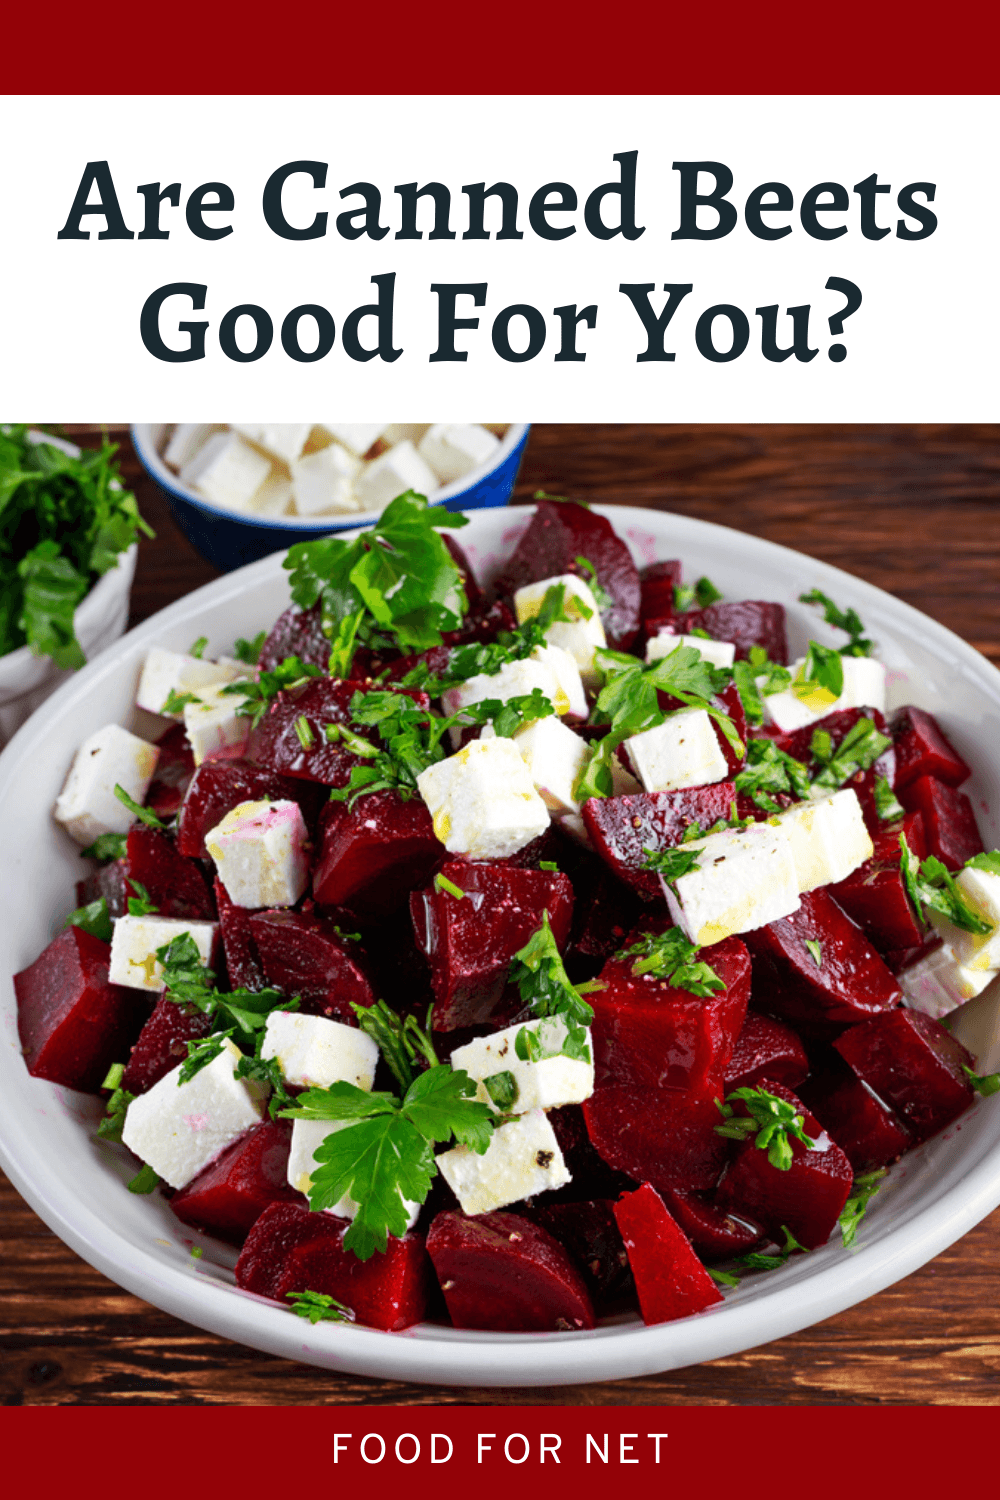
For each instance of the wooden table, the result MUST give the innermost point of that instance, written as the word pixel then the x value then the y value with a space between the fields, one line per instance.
pixel 915 510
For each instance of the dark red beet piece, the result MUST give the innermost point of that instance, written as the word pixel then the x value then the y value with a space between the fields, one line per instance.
pixel 712 1232
pixel 276 743
pixel 949 822
pixel 851 984
pixel 561 531
pixel 290 1249
pixel 482 625
pixel 914 1065
pixel 657 583
pixel 220 785
pixel 162 1044
pixel 305 955
pixel 766 1049
pixel 71 1022
pixel 176 885
pixel 669 1278
pixel 174 770
pixel 374 853
pixel 807 1198
pixel 923 750
pixel 649 1035
pixel 242 959
pixel 108 883
pixel 621 829
pixel 604 913
pixel 590 1233
pixel 592 1176
pixel 663 1136
pixel 865 1128
pixel 749 622
pixel 837 725
pixel 502 1273
pixel 229 1196
pixel 470 942
pixel 297 632
pixel 874 895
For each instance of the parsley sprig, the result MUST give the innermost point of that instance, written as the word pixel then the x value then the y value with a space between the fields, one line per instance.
pixel 672 956
pixel 863 1191
pixel 846 620
pixel 320 1307
pixel 249 651
pixel 260 694
pixel 241 1014
pixel 543 984
pixel 405 1045
pixel 770 771
pixel 486 658
pixel 769 1119
pixel 756 679
pixel 756 1261
pixel 858 750
pixel 93 918
pixel 985 1084
pixel 672 863
pixel 143 814
pixel 700 594
pixel 932 887
pixel 106 846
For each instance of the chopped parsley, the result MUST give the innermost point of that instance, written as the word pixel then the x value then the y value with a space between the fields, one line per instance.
pixel 93 918
pixel 989 862
pixel 143 814
pixel 863 1191
pixel 756 679
pixel 724 1278
pixel 486 658
pixel 549 865
pixel 240 1013
pixel 931 887
pixel 141 904
pixel 858 750
pixel 602 598
pixel 845 620
pixel 671 955
pixel 259 695
pixel 110 1128
pixel 304 732
pixel 175 702
pixel 144 1181
pixel 983 1083
pixel 106 846
pixel 198 649
pixel 700 594
pixel 442 883
pixel 267 1072
pixel 819 681
pixel 672 863
pixel 202 1051
pixel 403 1042
pixel 543 983
pixel 320 1307
pixel 755 1261
pixel 815 951
pixel 502 1089
pixel 769 1119
pixel 249 651
pixel 770 771
pixel 886 804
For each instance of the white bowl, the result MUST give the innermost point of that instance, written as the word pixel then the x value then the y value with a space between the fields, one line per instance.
pixel 76 1183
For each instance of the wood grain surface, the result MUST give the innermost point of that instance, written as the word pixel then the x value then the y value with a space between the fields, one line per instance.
pixel 915 510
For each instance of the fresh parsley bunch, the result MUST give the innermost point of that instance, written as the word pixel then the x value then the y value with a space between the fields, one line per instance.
pixel 672 956
pixel 931 887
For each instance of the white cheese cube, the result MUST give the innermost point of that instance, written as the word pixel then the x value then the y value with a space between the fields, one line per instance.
pixel 454 449
pixel 828 838
pixel 718 653
pixel 744 879
pixel 864 683
pixel 313 1052
pixel 87 805
pixel 482 800
pixel 274 498
pixel 214 726
pixel 186 440
pixel 403 432
pixel 682 751
pixel 227 471
pixel 261 853
pixel 307 1136
pixel 283 440
pixel 977 1026
pixel 165 672
pixel 570 698
pixel 864 687
pixel 178 1128
pixel 978 950
pixel 357 437
pixel 937 983
pixel 523 1159
pixel 323 481
pixel 549 1083
pixel 514 680
pixel 134 941
pixel 582 634
pixel 556 759
pixel 391 474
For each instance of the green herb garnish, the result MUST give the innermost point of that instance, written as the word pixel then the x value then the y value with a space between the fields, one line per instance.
pixel 858 750
pixel 141 904
pixel 983 1083
pixel 755 1261
pixel 239 1013
pixel 703 593
pixel 110 1127
pixel 93 918
pixel 990 862
pixel 106 846
pixel 202 1051
pixel 143 814
pixel 319 1307
pixel 602 598
pixel 502 1089
pixel 198 649
pixel 249 651
pixel 405 1045
pixel 769 1119
pixel 846 620
pixel 175 702
pixel 822 672
pixel 724 1278
pixel 886 804
pixel 671 864
pixel 863 1191
pixel 442 883
pixel 932 887
pixel 771 771
pixel 144 1181
pixel 671 955
pixel 259 695
pixel 303 730
pixel 815 951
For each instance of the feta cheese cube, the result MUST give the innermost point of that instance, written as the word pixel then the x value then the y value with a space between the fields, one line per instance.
pixel 186 440
pixel 307 1136
pixel 482 800
pixel 178 1128
pixel 214 725
pixel 937 983
pixel 978 950
pixel 313 1052
pixel 393 473
pixel 134 941
pixel 401 432
pixel 549 1083
pixel 719 653
pixel 864 683
pixel 87 805
pixel 165 672
pixel 977 1026
pixel 261 855
pixel 570 698
pixel 283 440
pixel 454 449
pixel 864 687
pixel 226 471
pixel 324 481
pixel 682 751
pixel 828 838
pixel 274 498
pixel 523 1159
pixel 556 759
pixel 514 680
pixel 582 634
pixel 357 437
pixel 744 879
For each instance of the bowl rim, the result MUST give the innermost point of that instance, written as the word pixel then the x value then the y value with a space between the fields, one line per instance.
pixel 156 468
pixel 444 1356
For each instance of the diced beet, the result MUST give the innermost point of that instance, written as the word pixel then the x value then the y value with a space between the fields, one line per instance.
pixel 669 1278
pixel 276 743
pixel 548 846
pixel 590 1233
pixel 229 1196
pixel 749 622
pixel 912 1063
pixel 482 625
pixel 162 1044
pixel 71 1022
pixel 766 1048
pixel 174 769
pixel 561 531
pixel 865 1128
pixel 885 839
pixel 807 1198
pixel 604 913
pixel 850 983
pixel 876 899
pixel 949 822
pixel 592 1176
pixel 621 829
pixel 305 955
pixel 657 583
pixel 649 1035
pixel 837 725
pixel 297 632
pixel 290 1249
pixel 220 785
pixel 663 1136
pixel 374 853
pixel 502 1273
pixel 176 885
pixel 107 883
pixel 243 963
pixel 923 750
pixel 713 1233
pixel 470 942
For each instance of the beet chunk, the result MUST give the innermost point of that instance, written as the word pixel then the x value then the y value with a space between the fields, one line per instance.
pixel 604 913
pixel 621 829
pixel 561 531
pixel 71 1022
pixel 657 583
pixel 220 785
pixel 592 1176
pixel 807 1198
pixel 914 1065
pixel 766 1049
pixel 470 942
pixel 865 1128
pixel 482 625
pixel 750 622
pixel 874 895
pixel 107 883
pixel 669 1278
pixel 297 632
pixel 374 853
pixel 850 984
pixel 663 1136
pixel 712 1232
pixel 305 955
pixel 276 743
pixel 174 770
pixel 243 963
pixel 589 1231
pixel 176 885
pixel 837 725
pixel 232 1192
pixel 290 1249
pixel 649 1035
pixel 502 1273
pixel 162 1044
pixel 949 822
pixel 923 750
